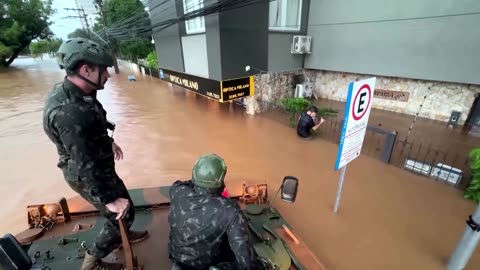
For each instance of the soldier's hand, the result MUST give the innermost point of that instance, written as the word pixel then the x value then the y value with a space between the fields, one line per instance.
pixel 119 206
pixel 117 151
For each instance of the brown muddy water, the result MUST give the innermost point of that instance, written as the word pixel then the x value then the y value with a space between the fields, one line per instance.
pixel 388 218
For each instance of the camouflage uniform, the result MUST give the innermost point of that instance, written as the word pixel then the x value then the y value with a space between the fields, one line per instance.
pixel 77 125
pixel 206 228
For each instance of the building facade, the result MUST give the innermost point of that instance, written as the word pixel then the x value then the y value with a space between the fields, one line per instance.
pixel 423 53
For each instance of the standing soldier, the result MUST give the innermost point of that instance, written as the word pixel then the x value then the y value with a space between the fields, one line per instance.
pixel 76 123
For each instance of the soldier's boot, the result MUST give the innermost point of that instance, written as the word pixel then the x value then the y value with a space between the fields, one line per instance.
pixel 134 237
pixel 93 263
pixel 137 236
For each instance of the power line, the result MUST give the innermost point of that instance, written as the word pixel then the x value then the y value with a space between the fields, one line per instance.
pixel 109 44
pixel 81 15
pixel 123 29
pixel 400 19
pixel 220 6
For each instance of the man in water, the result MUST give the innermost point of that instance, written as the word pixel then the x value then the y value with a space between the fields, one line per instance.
pixel 308 121
pixel 76 123
pixel 207 229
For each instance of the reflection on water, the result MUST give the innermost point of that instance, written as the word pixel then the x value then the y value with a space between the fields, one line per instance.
pixel 385 217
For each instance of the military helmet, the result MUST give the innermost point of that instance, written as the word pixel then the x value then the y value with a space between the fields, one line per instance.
pixel 209 171
pixel 80 49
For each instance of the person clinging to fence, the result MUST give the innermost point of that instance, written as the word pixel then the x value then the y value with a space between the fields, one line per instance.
pixel 308 121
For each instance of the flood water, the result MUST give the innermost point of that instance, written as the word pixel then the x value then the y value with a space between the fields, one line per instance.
pixel 388 218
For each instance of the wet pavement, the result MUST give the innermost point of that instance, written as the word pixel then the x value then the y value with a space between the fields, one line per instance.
pixel 388 218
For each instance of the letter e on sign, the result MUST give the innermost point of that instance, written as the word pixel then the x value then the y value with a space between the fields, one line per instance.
pixel 361 102
pixel 357 111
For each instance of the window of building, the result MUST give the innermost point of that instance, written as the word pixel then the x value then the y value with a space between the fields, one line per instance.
pixel 285 15
pixel 195 25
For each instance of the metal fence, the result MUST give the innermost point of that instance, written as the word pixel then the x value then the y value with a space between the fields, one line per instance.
pixel 149 71
pixel 448 165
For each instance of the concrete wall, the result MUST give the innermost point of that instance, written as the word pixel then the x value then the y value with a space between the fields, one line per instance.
pixel 195 55
pixel 441 98
pixel 244 39
pixel 443 48
pixel 167 42
pixel 279 56
pixel 279 45
pixel 212 28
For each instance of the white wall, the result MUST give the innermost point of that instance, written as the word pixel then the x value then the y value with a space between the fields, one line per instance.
pixel 195 55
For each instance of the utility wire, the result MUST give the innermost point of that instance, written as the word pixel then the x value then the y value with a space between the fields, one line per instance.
pixel 123 29
pixel 210 9
pixel 220 6
pixel 399 19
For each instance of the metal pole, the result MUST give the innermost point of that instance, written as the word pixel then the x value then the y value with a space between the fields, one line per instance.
pixel 339 191
pixel 110 40
pixel 468 243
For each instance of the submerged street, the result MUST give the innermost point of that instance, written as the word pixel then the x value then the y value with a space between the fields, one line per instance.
pixel 388 218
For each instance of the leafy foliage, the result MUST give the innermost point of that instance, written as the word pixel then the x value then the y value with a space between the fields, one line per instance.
pixel 296 105
pixel 473 190
pixel 134 50
pixel 152 61
pixel 22 21
pixel 126 22
pixel 82 33
pixel 45 46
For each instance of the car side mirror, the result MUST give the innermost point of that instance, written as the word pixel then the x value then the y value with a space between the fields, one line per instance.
pixel 289 189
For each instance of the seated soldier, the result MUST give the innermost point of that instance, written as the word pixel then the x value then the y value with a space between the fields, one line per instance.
pixel 207 229
pixel 308 121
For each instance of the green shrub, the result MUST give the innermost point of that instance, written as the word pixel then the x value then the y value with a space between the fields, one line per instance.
pixel 473 190
pixel 294 106
pixel 152 61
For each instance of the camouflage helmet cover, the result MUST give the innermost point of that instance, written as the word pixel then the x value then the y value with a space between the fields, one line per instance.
pixel 209 171
pixel 80 49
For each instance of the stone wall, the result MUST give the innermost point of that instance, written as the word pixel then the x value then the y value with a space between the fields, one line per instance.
pixel 271 87
pixel 441 98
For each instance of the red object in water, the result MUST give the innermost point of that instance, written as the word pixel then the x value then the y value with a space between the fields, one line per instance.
pixel 225 193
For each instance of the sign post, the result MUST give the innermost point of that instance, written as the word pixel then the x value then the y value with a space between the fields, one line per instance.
pixel 467 244
pixel 357 112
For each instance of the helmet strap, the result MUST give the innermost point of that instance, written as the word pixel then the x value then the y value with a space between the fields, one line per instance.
pixel 97 86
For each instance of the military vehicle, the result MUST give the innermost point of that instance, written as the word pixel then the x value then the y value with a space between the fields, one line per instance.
pixel 58 233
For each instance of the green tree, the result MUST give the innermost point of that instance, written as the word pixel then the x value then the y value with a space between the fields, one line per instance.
pixel 79 33
pixel 38 48
pixel 22 21
pixel 41 47
pixel 91 35
pixel 473 190
pixel 152 61
pixel 134 50
pixel 54 45
pixel 127 25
